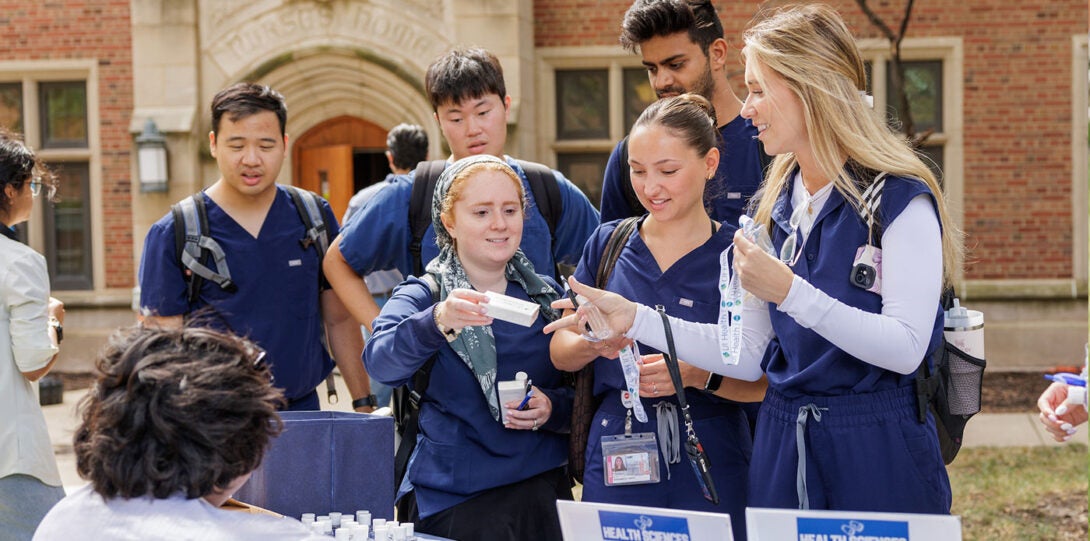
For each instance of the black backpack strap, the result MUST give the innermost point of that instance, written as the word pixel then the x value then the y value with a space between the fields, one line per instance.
pixel 424 179
pixel 317 232
pixel 546 193
pixel 613 249
pixel 196 247
pixel 635 208
pixel 410 418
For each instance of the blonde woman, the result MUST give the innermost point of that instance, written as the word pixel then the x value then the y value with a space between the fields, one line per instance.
pixel 838 428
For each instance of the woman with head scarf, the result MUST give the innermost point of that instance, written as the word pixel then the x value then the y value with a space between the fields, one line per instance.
pixel 482 468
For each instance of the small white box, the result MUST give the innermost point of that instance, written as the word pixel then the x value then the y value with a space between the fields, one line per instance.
pixel 509 391
pixel 510 309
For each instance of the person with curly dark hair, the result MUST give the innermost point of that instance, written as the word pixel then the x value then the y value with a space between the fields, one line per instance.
pixel 175 423
pixel 30 323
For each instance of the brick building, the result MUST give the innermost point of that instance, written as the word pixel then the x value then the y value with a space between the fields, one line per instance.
pixel 1003 83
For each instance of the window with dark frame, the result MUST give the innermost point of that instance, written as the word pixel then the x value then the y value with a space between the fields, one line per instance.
pixel 11 106
pixel 68 228
pixel 583 114
pixel 63 114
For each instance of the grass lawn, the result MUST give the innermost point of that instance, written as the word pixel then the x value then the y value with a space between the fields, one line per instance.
pixel 1021 493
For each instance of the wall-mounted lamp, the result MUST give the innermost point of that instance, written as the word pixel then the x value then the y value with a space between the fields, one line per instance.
pixel 151 157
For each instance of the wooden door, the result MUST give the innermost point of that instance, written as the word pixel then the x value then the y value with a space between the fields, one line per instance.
pixel 327 171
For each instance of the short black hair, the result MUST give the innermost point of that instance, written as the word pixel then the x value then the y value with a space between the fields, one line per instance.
pixel 647 19
pixel 241 100
pixel 18 164
pixel 408 144
pixel 185 410
pixel 462 74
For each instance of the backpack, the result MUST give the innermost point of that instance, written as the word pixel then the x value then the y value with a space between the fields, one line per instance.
pixel 635 208
pixel 585 404
pixel 543 185
pixel 406 411
pixel 195 246
pixel 950 388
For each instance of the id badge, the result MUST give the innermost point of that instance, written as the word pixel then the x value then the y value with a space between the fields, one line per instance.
pixel 867 269
pixel 631 459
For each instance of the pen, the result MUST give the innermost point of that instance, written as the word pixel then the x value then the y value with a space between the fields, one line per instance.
pixel 526 400
pixel 1070 379
pixel 575 305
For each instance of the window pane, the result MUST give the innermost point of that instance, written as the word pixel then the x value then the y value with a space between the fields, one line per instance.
pixel 585 171
pixel 582 104
pixel 933 156
pixel 638 94
pixel 68 229
pixel 63 114
pixel 11 106
pixel 923 86
pixel 868 68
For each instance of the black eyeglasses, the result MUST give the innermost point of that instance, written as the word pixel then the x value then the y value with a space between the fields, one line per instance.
pixel 36 185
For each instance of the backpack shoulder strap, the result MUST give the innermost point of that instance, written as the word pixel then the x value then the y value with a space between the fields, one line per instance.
pixel 424 179
pixel 613 249
pixel 635 208
pixel 410 400
pixel 317 232
pixel 196 246
pixel 546 193
pixel 421 377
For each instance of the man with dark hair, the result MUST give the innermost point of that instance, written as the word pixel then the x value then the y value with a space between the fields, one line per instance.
pixel 682 45
pixel 176 422
pixel 406 146
pixel 273 293
pixel 470 102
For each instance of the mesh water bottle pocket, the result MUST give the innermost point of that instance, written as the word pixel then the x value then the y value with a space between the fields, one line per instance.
pixel 964 376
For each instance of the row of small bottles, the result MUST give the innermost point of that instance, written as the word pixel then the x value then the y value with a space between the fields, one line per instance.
pixel 361 527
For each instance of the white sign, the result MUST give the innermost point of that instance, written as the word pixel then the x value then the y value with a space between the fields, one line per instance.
pixel 588 521
pixel 798 525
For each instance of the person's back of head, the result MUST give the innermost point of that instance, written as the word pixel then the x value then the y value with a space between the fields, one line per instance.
pixel 175 411
pixel 407 145
pixel 647 19
pixel 463 74
pixel 242 100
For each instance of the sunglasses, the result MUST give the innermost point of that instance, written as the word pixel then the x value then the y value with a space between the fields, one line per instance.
pixel 792 246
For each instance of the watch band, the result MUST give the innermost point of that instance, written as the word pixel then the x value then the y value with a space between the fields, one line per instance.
pixel 369 401
pixel 713 383
pixel 448 333
pixel 56 324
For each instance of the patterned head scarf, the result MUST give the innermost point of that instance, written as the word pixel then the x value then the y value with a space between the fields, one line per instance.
pixel 476 346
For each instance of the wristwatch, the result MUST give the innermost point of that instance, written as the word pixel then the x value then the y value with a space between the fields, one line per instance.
pixel 714 380
pixel 56 324
pixel 369 401
pixel 448 333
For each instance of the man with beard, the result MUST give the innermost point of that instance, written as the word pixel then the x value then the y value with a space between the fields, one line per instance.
pixel 682 45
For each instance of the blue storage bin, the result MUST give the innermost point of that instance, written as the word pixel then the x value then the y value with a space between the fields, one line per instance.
pixel 326 461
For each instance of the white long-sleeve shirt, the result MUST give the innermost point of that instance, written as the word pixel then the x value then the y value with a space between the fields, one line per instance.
pixel 894 339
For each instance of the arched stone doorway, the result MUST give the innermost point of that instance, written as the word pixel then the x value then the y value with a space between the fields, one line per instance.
pixel 339 156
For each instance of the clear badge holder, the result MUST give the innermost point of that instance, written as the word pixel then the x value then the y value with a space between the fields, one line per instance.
pixel 630 459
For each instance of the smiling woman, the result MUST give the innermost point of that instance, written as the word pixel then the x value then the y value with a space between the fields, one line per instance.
pixel 482 469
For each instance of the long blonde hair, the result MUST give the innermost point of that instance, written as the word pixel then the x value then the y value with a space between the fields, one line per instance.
pixel 812 49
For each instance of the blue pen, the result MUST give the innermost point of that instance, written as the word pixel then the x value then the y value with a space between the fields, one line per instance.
pixel 1069 379
pixel 526 400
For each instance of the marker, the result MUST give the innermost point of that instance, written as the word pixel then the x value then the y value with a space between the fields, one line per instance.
pixel 1069 379
pixel 526 400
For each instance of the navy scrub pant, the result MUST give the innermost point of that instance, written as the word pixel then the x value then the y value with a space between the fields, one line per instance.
pixel 865 452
